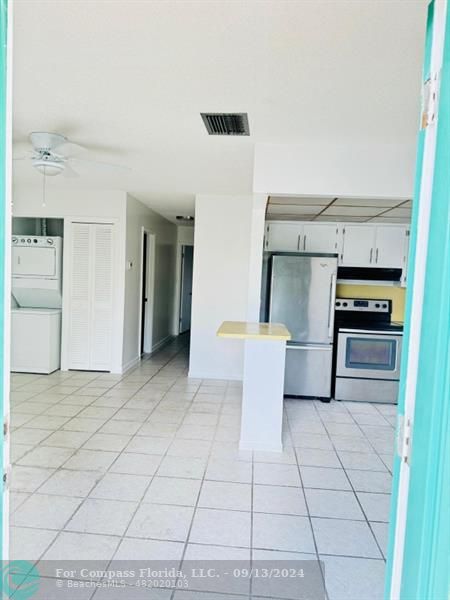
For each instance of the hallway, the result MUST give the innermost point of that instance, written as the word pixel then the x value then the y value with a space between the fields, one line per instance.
pixel 146 466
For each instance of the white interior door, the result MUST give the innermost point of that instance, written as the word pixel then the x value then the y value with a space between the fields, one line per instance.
pixel 187 262
pixel 91 296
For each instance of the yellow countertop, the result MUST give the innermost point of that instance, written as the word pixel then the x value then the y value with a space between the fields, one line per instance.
pixel 253 331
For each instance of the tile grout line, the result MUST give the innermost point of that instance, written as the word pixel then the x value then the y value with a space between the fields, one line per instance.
pixel 356 495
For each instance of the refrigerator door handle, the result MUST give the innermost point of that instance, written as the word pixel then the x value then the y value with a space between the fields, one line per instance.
pixel 331 307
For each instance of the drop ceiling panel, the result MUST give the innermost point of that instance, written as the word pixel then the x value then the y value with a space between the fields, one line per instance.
pixel 290 217
pixel 293 210
pixel 398 212
pixel 352 211
pixel 340 219
pixel 381 203
pixel 296 200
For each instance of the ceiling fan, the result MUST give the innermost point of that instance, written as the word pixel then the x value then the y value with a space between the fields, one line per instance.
pixel 54 154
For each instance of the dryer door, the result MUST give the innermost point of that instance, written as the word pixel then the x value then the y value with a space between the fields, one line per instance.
pixel 29 261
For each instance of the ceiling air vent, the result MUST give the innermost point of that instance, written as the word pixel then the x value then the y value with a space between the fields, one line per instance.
pixel 226 123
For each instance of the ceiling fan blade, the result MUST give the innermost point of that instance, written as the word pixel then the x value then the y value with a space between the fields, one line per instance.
pixel 68 149
pixel 100 165
pixel 69 172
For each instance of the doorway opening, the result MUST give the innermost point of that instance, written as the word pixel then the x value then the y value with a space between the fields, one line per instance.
pixel 187 263
pixel 147 293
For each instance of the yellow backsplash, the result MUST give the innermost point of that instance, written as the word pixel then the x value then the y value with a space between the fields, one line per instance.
pixel 396 294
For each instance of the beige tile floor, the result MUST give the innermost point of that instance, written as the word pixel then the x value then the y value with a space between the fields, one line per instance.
pixel 147 466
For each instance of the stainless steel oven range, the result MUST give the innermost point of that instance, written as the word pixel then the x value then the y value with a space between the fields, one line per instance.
pixel 369 347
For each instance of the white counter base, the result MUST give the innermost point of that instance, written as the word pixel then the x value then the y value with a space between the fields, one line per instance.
pixel 262 401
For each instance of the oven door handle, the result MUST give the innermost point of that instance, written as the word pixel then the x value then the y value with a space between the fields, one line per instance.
pixel 331 307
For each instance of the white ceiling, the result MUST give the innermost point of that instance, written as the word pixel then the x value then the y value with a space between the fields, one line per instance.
pixel 362 210
pixel 129 79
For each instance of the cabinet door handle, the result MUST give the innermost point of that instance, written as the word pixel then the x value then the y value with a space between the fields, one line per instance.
pixel 304 242
pixel 376 256
pixel 371 255
pixel 298 242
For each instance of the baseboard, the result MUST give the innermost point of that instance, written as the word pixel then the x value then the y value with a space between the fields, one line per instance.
pixel 131 364
pixel 200 375
pixel 162 343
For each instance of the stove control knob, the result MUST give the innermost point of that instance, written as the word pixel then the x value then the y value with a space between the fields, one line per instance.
pixel 49 241
pixel 14 240
pixel 28 241
pixel 385 305
pixel 345 304
pixel 377 305
pixel 338 303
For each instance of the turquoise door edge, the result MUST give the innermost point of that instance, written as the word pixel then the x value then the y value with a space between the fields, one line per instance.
pixel 426 550
pixel 3 214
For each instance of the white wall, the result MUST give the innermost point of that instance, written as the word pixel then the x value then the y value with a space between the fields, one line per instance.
pixel 336 168
pixel 185 235
pixel 139 216
pixel 228 248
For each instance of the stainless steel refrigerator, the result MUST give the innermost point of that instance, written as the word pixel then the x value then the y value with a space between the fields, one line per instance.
pixel 302 296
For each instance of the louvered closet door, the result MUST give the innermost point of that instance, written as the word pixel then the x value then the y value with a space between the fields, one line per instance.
pixel 102 297
pixel 91 296
pixel 80 286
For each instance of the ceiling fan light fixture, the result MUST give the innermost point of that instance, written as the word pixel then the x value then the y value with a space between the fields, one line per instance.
pixel 48 166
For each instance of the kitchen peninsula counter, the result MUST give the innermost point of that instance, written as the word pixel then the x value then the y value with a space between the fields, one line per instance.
pixel 263 382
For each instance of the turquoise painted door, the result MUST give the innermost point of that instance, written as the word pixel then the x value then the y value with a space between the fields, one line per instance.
pixel 418 555
pixel 4 216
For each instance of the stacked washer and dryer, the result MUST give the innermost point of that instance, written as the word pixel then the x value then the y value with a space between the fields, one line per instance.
pixel 37 290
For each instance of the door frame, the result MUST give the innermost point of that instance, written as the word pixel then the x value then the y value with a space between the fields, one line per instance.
pixel 178 267
pixel 150 281
pixel 6 31
pixel 180 300
pixel 418 495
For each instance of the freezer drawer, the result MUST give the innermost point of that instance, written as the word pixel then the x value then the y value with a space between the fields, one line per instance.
pixel 308 370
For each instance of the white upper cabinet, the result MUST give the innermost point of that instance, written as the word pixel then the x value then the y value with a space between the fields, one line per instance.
pixel 358 246
pixel 390 246
pixel 284 237
pixel 321 237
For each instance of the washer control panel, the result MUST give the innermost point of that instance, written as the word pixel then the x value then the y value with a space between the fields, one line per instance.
pixel 36 240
